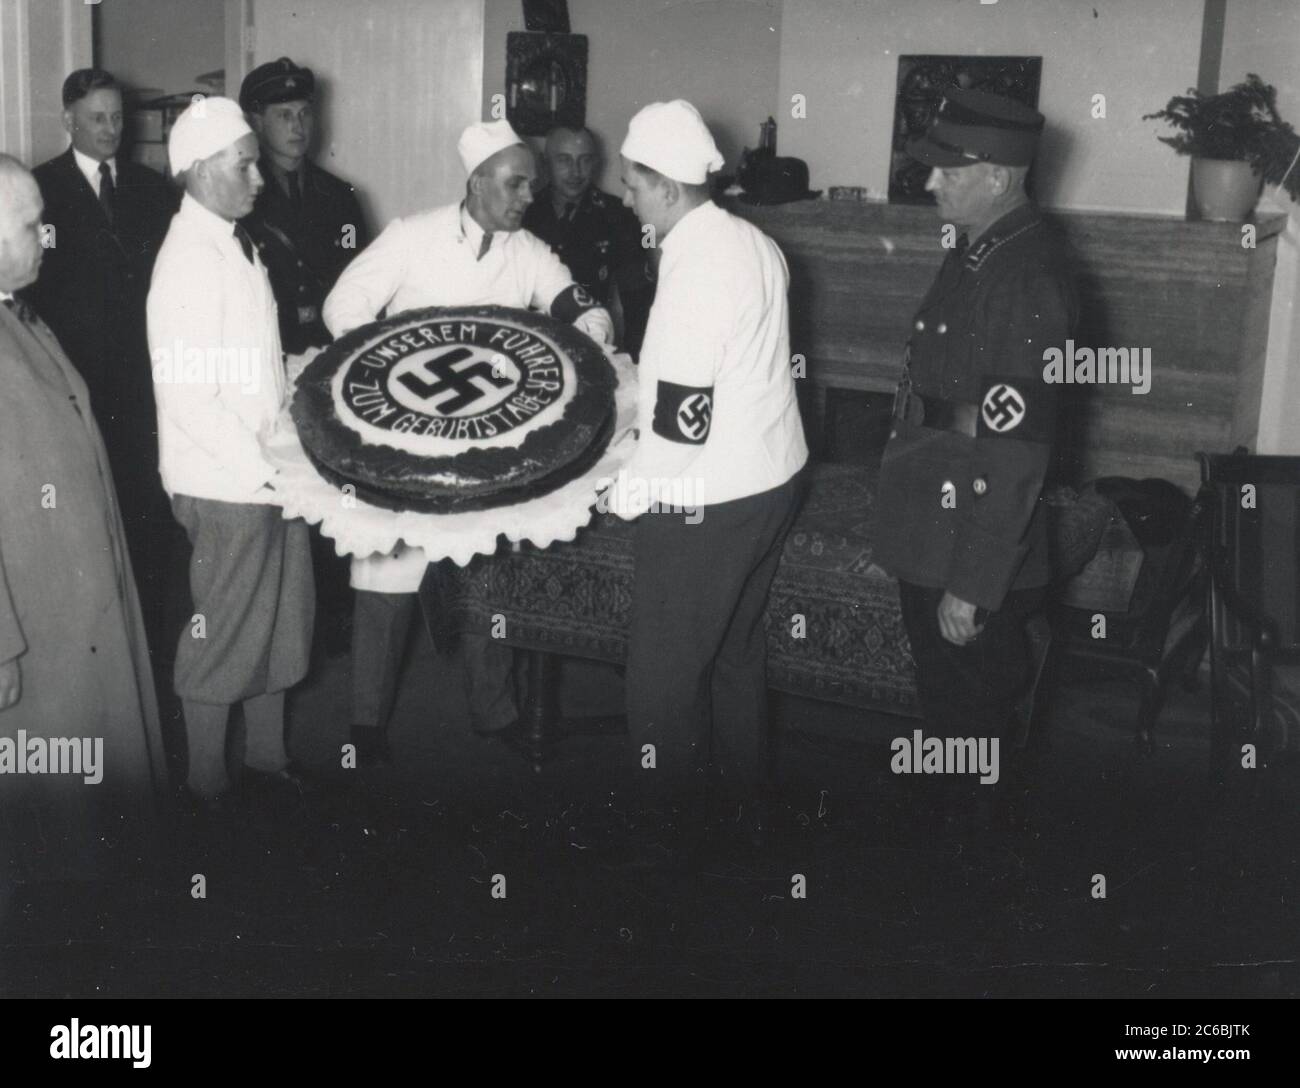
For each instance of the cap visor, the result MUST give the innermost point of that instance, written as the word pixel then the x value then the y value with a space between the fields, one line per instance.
pixel 923 151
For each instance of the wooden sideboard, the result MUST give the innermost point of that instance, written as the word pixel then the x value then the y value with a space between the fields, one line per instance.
pixel 1189 291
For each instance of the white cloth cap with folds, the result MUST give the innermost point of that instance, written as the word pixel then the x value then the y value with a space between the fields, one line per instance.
pixel 207 126
pixel 481 141
pixel 671 137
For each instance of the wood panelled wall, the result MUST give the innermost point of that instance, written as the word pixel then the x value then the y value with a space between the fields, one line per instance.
pixel 1189 291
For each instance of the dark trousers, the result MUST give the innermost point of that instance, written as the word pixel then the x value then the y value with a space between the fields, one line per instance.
pixel 697 653
pixel 380 627
pixel 971 690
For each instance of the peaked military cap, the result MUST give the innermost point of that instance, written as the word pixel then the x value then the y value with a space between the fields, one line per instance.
pixel 975 126
pixel 279 81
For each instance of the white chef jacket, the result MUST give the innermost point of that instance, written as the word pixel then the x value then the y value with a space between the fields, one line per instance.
pixel 728 419
pixel 214 343
pixel 431 259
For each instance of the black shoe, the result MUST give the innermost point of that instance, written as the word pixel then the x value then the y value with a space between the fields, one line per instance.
pixel 504 729
pixel 371 743
pixel 278 792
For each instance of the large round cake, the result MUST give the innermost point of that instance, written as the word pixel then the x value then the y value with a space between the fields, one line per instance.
pixel 457 408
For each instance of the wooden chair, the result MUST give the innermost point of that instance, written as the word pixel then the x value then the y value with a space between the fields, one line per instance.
pixel 1254 594
pixel 1163 635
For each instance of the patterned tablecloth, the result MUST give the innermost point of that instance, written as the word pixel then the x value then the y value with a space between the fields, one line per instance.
pixel 575 598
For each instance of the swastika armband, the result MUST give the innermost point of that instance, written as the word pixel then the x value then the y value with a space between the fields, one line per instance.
pixel 571 302
pixel 1015 407
pixel 683 413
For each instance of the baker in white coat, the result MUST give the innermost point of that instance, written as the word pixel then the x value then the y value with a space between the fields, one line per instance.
pixel 471 253
pixel 720 428
pixel 209 302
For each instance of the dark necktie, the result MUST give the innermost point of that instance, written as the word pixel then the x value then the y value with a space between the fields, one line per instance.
pixel 106 190
pixel 295 190
pixel 486 245
pixel 21 310
pixel 245 242
pixel 569 209
pixel 963 241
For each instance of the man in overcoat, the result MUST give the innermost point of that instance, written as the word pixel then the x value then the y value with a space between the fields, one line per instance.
pixel 74 668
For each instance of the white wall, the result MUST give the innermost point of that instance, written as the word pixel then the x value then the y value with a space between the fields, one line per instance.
pixel 1263 36
pixel 843 56
pixel 161 44
pixel 398 81
pixel 41 41
pixel 721 55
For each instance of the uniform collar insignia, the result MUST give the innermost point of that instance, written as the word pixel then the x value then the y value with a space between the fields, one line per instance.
pixel 974 256
pixel 1011 225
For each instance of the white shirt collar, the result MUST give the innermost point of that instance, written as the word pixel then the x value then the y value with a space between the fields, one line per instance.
pixel 473 234
pixel 90 168
pixel 469 228
pixel 206 220
pixel 695 220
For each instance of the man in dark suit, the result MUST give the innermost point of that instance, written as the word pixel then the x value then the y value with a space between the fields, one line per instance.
pixel 307 224
pixel 106 218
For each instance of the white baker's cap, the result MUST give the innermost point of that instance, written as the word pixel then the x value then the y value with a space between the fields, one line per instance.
pixel 481 141
pixel 671 137
pixel 207 126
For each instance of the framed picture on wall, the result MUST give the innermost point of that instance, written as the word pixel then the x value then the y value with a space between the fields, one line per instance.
pixel 546 81
pixel 922 81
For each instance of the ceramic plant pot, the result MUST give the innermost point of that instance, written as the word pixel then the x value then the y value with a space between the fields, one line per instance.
pixel 1225 190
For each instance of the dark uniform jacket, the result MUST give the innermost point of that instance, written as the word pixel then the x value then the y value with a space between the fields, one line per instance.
pixel 977 343
pixel 94 281
pixel 600 244
pixel 305 248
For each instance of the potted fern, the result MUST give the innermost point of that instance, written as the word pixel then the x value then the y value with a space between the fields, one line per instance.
pixel 1237 142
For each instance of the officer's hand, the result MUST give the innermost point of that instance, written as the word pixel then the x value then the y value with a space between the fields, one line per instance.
pixel 957 620
pixel 11 684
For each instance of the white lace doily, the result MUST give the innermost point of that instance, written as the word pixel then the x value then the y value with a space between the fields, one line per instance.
pixel 360 529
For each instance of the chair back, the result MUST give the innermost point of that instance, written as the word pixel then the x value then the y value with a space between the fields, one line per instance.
pixel 1254 549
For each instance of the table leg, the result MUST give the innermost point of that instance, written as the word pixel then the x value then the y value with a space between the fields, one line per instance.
pixel 541 700
pixel 823 412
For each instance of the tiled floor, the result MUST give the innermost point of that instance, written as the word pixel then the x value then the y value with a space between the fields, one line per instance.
pixel 384 885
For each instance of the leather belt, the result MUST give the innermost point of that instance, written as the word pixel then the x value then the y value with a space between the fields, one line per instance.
pixel 939 414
